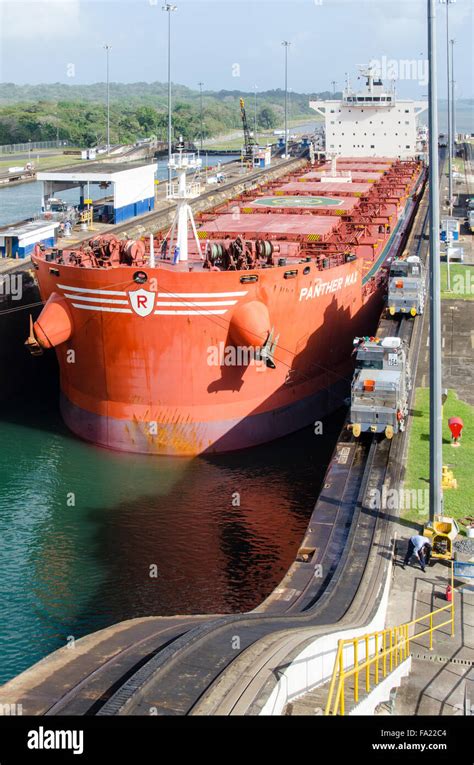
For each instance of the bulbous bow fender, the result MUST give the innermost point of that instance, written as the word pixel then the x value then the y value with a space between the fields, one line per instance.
pixel 250 325
pixel 54 324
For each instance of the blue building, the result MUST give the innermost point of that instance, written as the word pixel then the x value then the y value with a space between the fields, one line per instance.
pixel 18 240
pixel 128 186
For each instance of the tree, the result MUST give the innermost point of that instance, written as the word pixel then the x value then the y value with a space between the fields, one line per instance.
pixel 266 118
pixel 147 119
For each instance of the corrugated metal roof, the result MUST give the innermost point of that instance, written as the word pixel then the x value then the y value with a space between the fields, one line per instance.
pixel 31 227
pixel 92 171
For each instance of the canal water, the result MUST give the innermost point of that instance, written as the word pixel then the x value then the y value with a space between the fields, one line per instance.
pixel 82 528
pixel 24 201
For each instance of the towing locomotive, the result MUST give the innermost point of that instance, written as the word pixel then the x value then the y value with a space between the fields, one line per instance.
pixel 380 386
pixel 406 286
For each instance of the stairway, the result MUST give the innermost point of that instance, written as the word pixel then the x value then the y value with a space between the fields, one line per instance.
pixel 314 702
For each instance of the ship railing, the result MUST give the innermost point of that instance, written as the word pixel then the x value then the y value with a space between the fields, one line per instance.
pixel 192 189
pixel 185 159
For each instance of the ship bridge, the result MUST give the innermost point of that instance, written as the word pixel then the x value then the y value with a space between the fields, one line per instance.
pixel 371 122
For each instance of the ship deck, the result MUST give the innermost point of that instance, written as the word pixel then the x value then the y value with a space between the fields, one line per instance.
pixel 320 204
pixel 275 225
pixel 357 176
pixel 300 216
pixel 322 188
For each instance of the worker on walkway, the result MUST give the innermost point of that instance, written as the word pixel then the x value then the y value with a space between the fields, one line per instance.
pixel 421 547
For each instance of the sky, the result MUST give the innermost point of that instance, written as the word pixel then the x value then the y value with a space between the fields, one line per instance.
pixel 231 45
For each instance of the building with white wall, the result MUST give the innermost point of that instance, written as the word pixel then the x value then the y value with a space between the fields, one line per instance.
pixel 131 186
pixel 19 239
pixel 372 122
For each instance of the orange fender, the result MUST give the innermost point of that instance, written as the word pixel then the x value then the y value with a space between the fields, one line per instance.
pixel 54 324
pixel 250 324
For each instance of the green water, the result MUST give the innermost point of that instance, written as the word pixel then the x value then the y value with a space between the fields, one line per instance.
pixel 80 528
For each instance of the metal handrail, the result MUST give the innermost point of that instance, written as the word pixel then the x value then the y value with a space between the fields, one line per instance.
pixel 398 649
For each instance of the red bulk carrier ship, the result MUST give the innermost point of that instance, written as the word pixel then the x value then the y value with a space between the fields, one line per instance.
pixel 248 335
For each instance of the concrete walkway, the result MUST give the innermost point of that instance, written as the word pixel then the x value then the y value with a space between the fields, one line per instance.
pixel 440 679
pixel 457 324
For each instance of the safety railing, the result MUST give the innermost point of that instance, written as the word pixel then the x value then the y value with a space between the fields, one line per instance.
pixel 378 653
pixel 86 217
pixel 11 148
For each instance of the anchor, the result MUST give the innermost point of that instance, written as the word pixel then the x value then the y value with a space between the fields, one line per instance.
pixel 267 351
pixel 32 343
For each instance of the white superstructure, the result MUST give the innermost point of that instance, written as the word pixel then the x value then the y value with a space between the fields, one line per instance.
pixel 372 122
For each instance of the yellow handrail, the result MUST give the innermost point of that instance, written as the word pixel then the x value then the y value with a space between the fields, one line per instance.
pixel 395 643
pixel 86 216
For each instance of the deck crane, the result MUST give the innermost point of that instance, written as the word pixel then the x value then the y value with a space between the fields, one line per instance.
pixel 249 140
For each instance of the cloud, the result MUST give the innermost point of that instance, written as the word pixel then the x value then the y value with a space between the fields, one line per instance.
pixel 39 19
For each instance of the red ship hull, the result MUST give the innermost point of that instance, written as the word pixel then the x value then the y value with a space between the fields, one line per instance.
pixel 146 367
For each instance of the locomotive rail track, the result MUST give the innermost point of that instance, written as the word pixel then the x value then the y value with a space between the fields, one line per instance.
pixel 226 664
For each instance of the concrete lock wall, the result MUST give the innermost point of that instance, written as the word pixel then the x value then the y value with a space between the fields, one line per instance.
pixel 314 665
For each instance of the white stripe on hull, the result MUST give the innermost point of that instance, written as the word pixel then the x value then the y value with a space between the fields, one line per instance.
pixel 200 294
pixel 96 299
pixel 190 313
pixel 102 308
pixel 86 289
pixel 109 309
pixel 191 304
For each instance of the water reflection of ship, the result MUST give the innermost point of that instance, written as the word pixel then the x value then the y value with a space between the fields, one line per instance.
pixel 220 538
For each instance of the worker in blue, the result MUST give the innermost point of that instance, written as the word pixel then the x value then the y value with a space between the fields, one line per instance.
pixel 421 547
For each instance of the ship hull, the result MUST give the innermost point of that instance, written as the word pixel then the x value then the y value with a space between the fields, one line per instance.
pixel 220 435
pixel 144 363
pixel 146 384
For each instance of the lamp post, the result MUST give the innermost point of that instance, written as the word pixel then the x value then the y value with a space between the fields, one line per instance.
pixel 448 88
pixel 169 8
pixel 453 109
pixel 200 98
pixel 107 49
pixel 255 115
pixel 286 45
pixel 333 83
pixel 436 443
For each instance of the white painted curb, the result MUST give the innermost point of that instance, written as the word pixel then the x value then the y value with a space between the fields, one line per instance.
pixel 314 665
